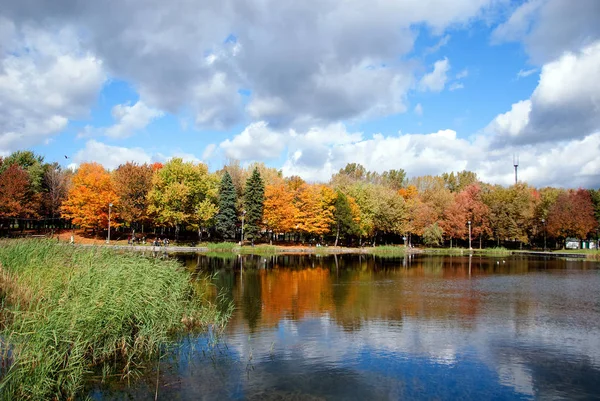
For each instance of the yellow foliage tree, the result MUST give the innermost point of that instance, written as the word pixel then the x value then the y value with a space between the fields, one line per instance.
pixel 315 205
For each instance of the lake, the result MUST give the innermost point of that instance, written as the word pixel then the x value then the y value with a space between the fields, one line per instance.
pixel 360 327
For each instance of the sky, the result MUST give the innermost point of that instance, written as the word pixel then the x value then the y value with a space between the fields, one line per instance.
pixel 428 86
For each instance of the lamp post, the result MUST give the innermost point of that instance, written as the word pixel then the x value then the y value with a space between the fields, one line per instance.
pixel 243 215
pixel 469 223
pixel 109 207
pixel 544 224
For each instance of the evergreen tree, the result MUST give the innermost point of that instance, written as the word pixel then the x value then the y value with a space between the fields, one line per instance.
pixel 345 223
pixel 227 216
pixel 254 199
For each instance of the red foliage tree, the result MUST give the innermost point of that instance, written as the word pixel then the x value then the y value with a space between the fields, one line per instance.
pixel 572 215
pixel 17 198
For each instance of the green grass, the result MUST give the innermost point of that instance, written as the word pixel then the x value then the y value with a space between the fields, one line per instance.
pixel 500 251
pixel 68 311
pixel 263 250
pixel 385 250
pixel 221 246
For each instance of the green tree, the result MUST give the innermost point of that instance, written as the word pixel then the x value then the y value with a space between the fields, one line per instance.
pixel 177 191
pixel 433 235
pixel 344 217
pixel 254 200
pixel 227 216
pixel 30 162
pixel 459 181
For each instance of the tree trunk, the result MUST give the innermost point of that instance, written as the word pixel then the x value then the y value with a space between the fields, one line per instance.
pixel 337 234
pixel 480 239
pixel 199 234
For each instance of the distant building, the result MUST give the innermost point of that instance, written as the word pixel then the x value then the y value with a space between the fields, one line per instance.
pixel 574 243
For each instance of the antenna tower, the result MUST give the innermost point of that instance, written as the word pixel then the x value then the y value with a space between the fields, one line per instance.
pixel 516 164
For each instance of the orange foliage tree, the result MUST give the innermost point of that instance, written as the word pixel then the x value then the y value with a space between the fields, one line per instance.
pixel 279 209
pixel 89 196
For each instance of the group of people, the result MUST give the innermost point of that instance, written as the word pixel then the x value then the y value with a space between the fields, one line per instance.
pixel 156 242
pixel 159 242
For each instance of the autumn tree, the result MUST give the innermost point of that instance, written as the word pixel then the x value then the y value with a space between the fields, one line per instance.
pixel 89 196
pixel 30 162
pixel 389 213
pixel 511 211
pixel 279 211
pixel 572 215
pixel 17 196
pixel 132 182
pixel 477 212
pixel 315 205
pixel 55 186
pixel 178 190
pixel 254 199
pixel 456 182
pixel 226 218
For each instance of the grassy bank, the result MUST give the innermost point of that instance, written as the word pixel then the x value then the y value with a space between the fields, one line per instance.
pixel 464 251
pixel 67 311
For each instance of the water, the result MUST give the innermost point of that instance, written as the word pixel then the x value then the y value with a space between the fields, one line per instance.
pixel 359 327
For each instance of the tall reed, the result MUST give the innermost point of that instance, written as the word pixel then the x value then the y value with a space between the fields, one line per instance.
pixel 70 310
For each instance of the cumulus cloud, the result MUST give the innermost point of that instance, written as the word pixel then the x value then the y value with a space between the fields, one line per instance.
pixel 455 86
pixel 130 119
pixel 45 80
pixel 444 151
pixel 110 156
pixel 436 80
pixel 312 60
pixel 256 142
pixel 550 27
pixel 565 104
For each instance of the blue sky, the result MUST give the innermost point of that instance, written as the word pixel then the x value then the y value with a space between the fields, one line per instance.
pixel 427 86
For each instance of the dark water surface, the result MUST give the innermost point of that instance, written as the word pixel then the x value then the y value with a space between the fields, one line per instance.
pixel 358 327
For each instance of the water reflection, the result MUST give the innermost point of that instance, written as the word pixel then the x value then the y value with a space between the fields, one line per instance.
pixel 361 327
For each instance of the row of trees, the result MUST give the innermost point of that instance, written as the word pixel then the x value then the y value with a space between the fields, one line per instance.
pixel 356 205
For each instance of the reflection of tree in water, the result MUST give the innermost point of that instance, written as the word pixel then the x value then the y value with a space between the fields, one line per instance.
pixel 252 297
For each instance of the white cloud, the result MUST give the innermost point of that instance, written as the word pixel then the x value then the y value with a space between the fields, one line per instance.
pixel 550 27
pixel 110 156
pixel 256 142
pixel 444 151
pixel 436 80
pixel 419 109
pixel 565 104
pixel 441 43
pixel 455 86
pixel 310 60
pixel 525 73
pixel 463 74
pixel 208 151
pixel 130 119
pixel 45 81
pixel 513 122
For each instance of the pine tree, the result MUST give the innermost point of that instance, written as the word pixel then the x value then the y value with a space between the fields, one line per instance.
pixel 227 216
pixel 254 199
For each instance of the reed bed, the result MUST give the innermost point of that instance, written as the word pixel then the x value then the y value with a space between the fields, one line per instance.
pixel 67 311
pixel 385 250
